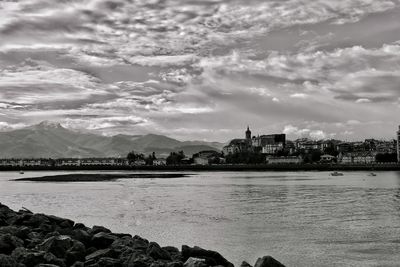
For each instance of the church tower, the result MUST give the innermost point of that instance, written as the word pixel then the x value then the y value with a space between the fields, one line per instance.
pixel 248 133
pixel 398 145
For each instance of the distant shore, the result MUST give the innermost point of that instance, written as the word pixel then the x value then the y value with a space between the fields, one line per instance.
pixel 219 167
pixel 98 177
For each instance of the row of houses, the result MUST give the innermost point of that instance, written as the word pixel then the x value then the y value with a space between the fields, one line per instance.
pixel 342 158
pixel 372 145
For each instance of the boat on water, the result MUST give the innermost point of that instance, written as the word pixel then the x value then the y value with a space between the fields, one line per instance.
pixel 21 172
pixel 372 174
pixel 336 174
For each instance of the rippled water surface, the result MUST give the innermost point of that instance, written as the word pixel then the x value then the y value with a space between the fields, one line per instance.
pixel 300 218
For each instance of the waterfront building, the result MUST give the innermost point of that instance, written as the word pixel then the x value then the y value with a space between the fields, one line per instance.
pixel 68 162
pixel 239 145
pixel 236 146
pixel 37 162
pixel 11 162
pixel 91 162
pixel 201 161
pixel 139 162
pixel 284 160
pixel 290 147
pixel 270 144
pixel 205 157
pixel 159 162
pixel 33 162
pixel 100 162
pixel 344 147
pixel 307 145
pixel 366 157
pixel 386 147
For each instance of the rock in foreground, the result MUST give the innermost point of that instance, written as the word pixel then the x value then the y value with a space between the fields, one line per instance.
pixel 39 240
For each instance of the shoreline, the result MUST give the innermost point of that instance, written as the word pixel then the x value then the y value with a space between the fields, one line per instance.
pixel 40 240
pixel 247 167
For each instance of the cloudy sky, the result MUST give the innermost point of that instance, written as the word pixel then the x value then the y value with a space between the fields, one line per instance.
pixel 203 69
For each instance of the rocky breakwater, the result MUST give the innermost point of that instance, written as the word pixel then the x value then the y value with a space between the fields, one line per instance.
pixel 38 240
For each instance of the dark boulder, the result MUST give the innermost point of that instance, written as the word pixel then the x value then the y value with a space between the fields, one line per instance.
pixel 61 222
pixel 97 229
pixel 138 260
pixel 121 235
pixel 268 261
pixel 7 261
pixel 45 228
pixel 9 229
pixel 21 232
pixel 34 239
pixel 174 252
pixel 212 258
pixel 93 257
pixel 81 226
pixel 8 243
pixel 35 220
pixel 102 240
pixel 140 243
pixel 245 264
pixel 19 219
pixel 76 253
pixel 156 252
pixel 125 253
pixel 195 262
pixel 82 236
pixel 57 245
pixel 78 264
pixel 125 241
pixel 3 222
pixel 109 262
pixel 34 257
pixel 175 264
pixel 6 215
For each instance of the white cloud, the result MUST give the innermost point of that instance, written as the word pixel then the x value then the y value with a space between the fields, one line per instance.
pixel 299 95
pixel 6 126
pixel 101 123
pixel 363 100
pixel 296 132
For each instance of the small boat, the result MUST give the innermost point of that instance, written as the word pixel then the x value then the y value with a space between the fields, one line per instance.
pixel 372 174
pixel 21 172
pixel 336 174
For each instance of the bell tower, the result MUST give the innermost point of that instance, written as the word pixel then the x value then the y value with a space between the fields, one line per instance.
pixel 248 133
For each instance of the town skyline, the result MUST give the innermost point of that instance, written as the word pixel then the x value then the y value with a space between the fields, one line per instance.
pixel 202 69
pixel 291 133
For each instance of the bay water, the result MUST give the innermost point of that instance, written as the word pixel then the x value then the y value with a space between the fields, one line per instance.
pixel 299 218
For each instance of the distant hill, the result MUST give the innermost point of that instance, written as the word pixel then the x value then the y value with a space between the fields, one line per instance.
pixel 49 139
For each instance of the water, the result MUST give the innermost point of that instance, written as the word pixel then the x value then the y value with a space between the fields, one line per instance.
pixel 300 218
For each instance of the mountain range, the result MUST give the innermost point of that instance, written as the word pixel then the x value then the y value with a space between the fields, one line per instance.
pixel 50 139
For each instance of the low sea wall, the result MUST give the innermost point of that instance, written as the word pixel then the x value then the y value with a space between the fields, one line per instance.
pixel 38 240
pixel 219 167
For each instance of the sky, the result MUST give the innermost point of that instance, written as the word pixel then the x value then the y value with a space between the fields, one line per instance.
pixel 203 69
